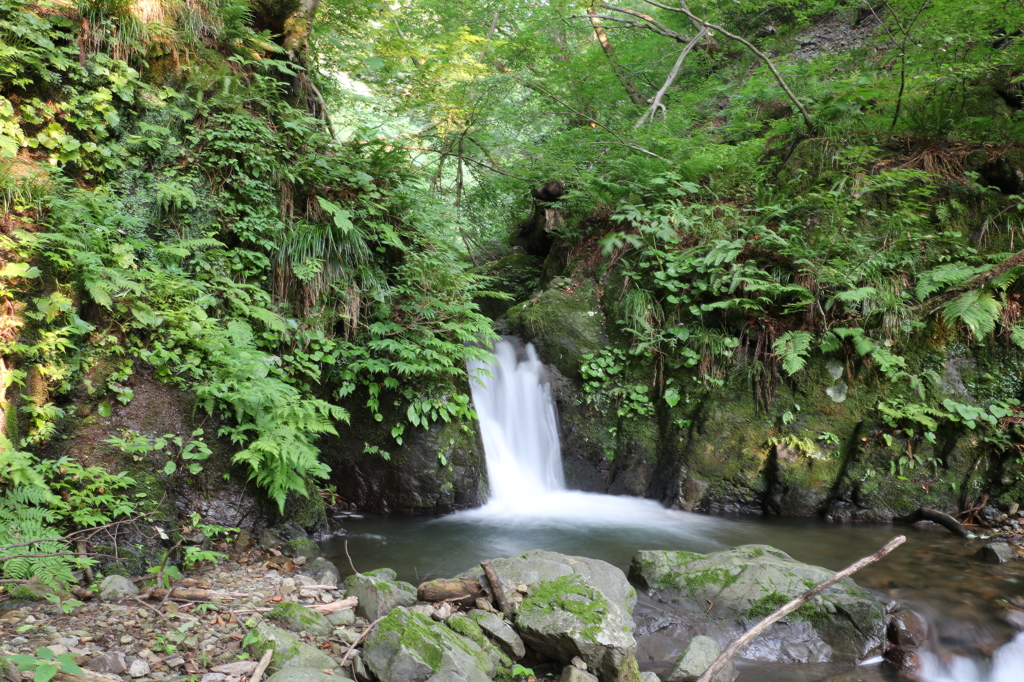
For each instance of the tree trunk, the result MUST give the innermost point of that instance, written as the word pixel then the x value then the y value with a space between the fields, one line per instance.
pixel 296 30
pixel 602 37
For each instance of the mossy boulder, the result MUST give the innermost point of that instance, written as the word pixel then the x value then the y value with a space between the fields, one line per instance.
pixel 289 652
pixel 743 585
pixel 302 547
pixel 378 593
pixel 564 323
pixel 575 606
pixel 298 618
pixel 409 647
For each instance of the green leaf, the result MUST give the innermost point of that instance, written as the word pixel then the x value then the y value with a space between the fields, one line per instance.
pixel 793 349
pixel 19 270
pixel 45 672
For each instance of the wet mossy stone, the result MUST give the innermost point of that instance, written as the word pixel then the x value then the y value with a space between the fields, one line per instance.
pixel 499 631
pixel 575 606
pixel 116 588
pixel 298 618
pixel 35 590
pixel 409 647
pixel 301 547
pixel 844 624
pixel 564 324
pixel 378 593
pixel 289 652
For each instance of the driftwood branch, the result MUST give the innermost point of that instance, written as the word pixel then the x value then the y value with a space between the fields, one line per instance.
pixel 499 594
pixel 944 520
pixel 745 639
pixel 262 667
pixel 359 640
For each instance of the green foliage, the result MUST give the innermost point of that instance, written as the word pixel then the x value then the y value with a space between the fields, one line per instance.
pixel 45 664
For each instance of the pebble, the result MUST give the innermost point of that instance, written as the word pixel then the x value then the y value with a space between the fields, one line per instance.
pixel 138 668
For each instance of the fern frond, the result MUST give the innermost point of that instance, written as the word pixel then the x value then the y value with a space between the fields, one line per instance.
pixel 979 310
pixel 793 350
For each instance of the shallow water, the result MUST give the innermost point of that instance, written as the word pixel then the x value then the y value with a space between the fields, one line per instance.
pixel 933 572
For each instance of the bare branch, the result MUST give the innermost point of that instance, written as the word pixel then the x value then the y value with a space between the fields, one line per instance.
pixel 811 127
pixel 792 606
pixel 671 78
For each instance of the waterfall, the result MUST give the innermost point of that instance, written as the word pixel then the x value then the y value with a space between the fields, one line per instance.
pixel 519 428
pixel 1007 666
pixel 518 424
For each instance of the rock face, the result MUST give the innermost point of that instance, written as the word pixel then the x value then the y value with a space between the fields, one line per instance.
pixel 409 647
pixel 378 593
pixel 413 480
pixel 844 624
pixel 575 607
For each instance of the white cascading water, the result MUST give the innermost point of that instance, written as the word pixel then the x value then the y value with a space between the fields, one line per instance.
pixel 519 428
pixel 518 425
pixel 1007 666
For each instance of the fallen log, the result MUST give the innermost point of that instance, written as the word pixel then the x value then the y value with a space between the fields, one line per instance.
pixel 944 520
pixel 463 590
pixel 745 639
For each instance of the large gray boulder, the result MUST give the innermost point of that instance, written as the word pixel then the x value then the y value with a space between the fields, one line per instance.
pixel 409 647
pixel 745 584
pixel 575 606
pixel 289 652
pixel 323 571
pixel 378 593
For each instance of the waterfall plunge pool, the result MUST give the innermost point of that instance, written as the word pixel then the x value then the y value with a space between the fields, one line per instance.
pixel 933 573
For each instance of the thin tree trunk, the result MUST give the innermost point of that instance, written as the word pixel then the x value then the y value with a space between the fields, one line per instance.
pixel 609 51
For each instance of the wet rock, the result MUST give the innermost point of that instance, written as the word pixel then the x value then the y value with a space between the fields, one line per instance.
pixel 323 571
pixel 378 593
pixel 109 663
pixel 995 553
pixel 298 618
pixel 698 656
pixel 745 584
pixel 289 652
pixel 307 675
pixel 575 607
pixel 902 660
pixel 276 536
pixel 649 677
pixel 409 647
pixel 573 674
pixel 499 631
pixel 116 588
pixel 906 628
pixel 33 590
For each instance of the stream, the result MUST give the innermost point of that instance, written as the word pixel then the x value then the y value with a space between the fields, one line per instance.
pixel 933 573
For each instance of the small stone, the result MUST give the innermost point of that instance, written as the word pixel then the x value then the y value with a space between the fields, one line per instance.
pixel 573 674
pixel 170 607
pixel 116 588
pixel 217 677
pixel 127 639
pixel 175 662
pixel 18 641
pixel 300 560
pixel 484 605
pixel 109 663
pixel 907 629
pixel 138 668
pixel 68 641
pixel 287 586
pixel 579 663
pixel 995 553
pixel 343 617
